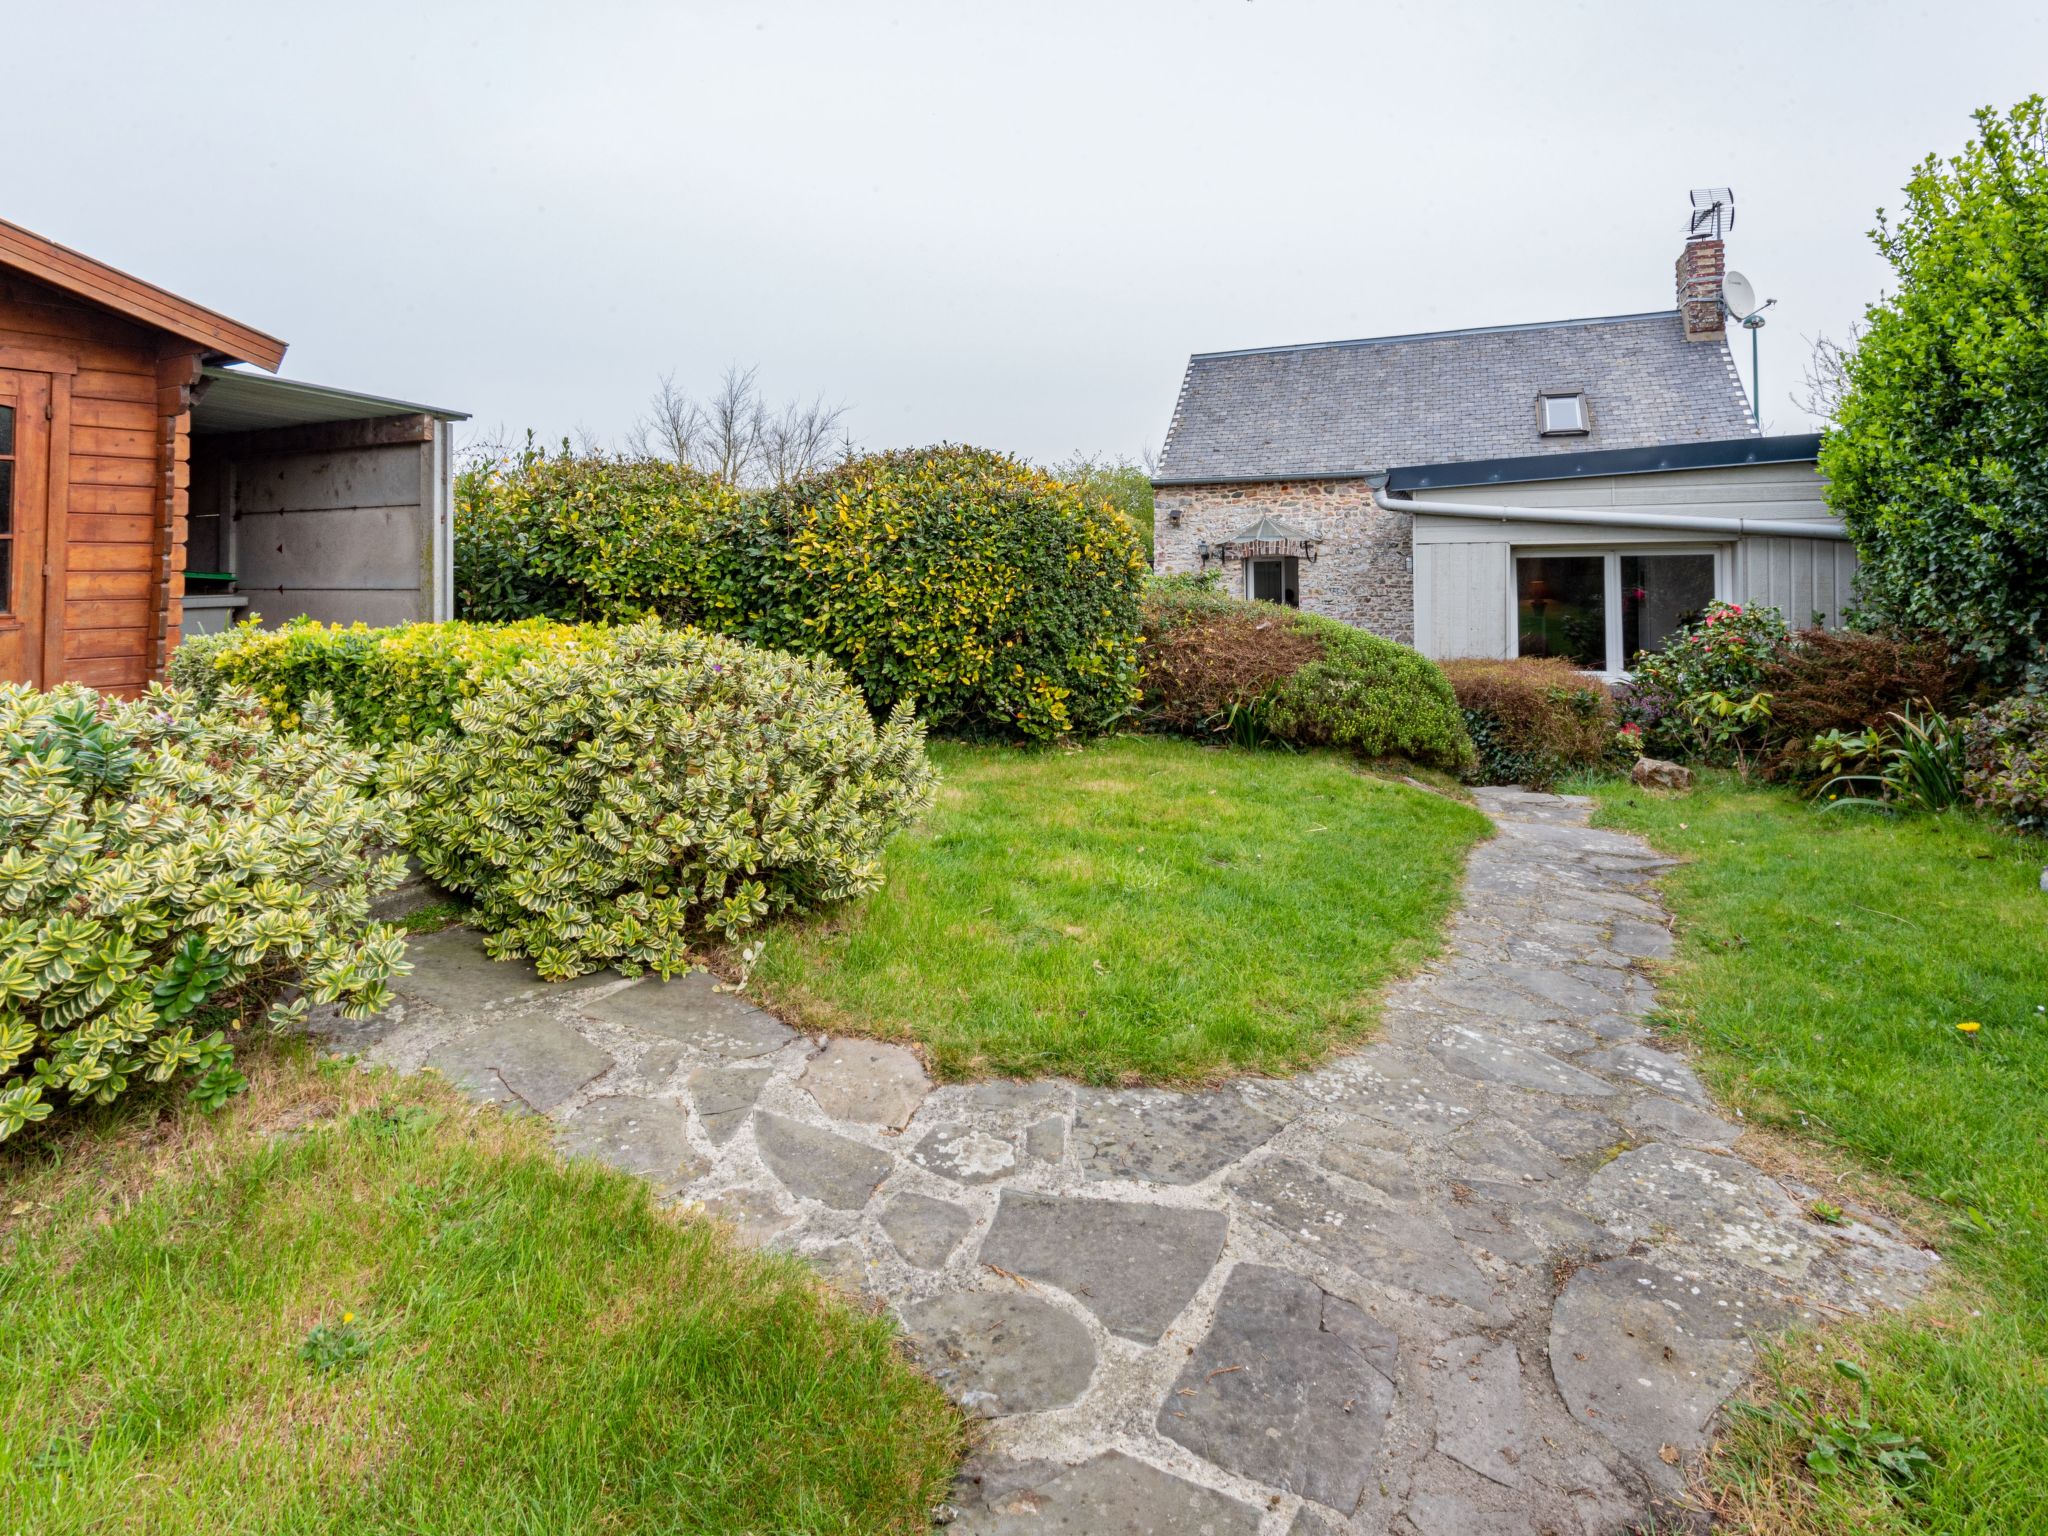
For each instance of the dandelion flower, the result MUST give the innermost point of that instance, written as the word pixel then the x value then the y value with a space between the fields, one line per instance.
pixel 1969 1026
pixel 348 1317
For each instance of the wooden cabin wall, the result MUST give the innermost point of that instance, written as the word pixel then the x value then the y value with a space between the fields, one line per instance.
pixel 121 411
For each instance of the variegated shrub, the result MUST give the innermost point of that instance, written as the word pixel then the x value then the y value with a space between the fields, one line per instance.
pixel 169 873
pixel 607 803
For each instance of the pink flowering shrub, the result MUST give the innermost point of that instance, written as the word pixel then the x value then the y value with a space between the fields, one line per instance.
pixel 1726 652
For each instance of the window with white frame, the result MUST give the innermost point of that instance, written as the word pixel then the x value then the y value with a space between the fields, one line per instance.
pixel 1601 608
pixel 1562 414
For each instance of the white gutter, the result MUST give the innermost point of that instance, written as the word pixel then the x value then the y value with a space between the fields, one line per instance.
pixel 1754 527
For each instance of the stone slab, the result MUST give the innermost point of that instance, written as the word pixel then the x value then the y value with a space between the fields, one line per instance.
pixel 1485 1056
pixel 966 1153
pixel 1403 1089
pixel 1719 1204
pixel 1655 1118
pixel 820 1165
pixel 867 1081
pixel 1571 1133
pixel 1111 1495
pixel 1000 1352
pixel 1631 1061
pixel 1450 1514
pixel 1135 1266
pixel 1397 1248
pixel 1646 1356
pixel 756 1215
pixel 643 1137
pixel 451 972
pixel 724 1096
pixel 1168 1138
pixel 925 1231
pixel 527 1059
pixel 1001 1093
pixel 1275 1393
pixel 1480 1419
pixel 690 1009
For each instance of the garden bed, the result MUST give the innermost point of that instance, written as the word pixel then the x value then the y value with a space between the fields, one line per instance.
pixel 1136 910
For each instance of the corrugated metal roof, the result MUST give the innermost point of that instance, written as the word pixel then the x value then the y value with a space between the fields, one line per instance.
pixel 235 401
pixel 1350 408
pixel 1270 530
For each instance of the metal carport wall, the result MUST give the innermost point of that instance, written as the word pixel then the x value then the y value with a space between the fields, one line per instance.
pixel 324 502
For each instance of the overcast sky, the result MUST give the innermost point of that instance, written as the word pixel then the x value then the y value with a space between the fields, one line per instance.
pixel 999 223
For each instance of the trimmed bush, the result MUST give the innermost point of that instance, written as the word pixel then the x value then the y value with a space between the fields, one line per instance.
pixel 386 685
pixel 607 802
pixel 584 537
pixel 1252 671
pixel 168 872
pixel 2005 750
pixel 1840 680
pixel 1535 719
pixel 1002 601
pixel 1209 657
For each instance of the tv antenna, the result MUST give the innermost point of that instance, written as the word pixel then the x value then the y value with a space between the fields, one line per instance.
pixel 1713 213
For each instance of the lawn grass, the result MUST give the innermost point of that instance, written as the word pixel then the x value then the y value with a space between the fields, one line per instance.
pixel 1139 909
pixel 1825 960
pixel 542 1349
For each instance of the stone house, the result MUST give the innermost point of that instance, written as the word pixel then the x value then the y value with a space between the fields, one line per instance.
pixel 1338 476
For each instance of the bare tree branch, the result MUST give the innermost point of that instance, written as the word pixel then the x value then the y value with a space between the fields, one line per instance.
pixel 673 429
pixel 735 436
pixel 1826 378
pixel 799 441
pixel 734 422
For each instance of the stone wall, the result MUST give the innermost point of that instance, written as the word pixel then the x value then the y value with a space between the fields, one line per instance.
pixel 1363 572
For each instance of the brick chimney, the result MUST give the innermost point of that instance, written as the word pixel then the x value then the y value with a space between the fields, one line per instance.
pixel 1700 266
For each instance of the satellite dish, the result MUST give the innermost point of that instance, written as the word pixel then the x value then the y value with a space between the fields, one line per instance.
pixel 1738 295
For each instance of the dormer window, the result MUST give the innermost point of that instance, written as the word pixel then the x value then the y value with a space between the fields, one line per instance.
pixel 1562 413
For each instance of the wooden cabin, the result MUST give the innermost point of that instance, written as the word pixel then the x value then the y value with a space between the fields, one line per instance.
pixel 105 428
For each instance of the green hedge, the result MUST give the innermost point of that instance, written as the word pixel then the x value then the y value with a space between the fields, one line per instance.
pixel 584 537
pixel 1250 671
pixel 166 871
pixel 997 597
pixel 386 685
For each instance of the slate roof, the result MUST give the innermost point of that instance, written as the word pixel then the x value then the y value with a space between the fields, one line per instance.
pixel 1341 408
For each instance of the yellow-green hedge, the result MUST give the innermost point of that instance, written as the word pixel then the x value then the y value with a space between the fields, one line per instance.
pixel 388 685
pixel 1001 600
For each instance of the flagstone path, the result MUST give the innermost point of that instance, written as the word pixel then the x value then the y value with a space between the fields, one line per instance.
pixel 1491 1275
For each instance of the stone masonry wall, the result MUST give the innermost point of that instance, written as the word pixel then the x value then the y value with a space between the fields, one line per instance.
pixel 1364 568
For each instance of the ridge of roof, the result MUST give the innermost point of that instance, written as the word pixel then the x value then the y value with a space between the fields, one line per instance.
pixel 1470 330
pixel 77 274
